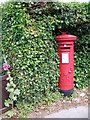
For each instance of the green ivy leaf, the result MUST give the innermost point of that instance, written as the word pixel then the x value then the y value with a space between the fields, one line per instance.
pixel 17 92
pixel 10 113
pixel 7 102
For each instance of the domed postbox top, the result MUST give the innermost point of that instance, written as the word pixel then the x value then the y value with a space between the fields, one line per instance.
pixel 65 37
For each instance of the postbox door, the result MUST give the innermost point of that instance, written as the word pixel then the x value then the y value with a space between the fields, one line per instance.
pixel 66 69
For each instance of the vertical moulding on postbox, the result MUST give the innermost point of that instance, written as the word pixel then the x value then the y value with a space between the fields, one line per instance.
pixel 66 53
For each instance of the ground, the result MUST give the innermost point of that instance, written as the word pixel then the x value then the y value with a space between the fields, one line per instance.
pixel 81 99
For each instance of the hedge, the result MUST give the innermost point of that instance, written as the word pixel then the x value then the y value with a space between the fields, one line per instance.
pixel 31 51
pixel 28 32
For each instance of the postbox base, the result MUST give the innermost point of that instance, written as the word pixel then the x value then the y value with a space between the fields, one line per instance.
pixel 66 92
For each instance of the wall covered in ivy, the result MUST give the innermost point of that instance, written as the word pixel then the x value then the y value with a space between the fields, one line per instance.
pixel 28 31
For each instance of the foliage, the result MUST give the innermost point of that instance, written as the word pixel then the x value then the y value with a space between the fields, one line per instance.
pixel 72 17
pixel 25 108
pixel 10 87
pixel 82 62
pixel 10 113
pixel 32 52
pixel 28 43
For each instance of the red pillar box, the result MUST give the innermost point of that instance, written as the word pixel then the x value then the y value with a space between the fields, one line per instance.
pixel 66 66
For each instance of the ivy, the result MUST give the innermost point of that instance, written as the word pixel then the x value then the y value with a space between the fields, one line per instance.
pixel 31 51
